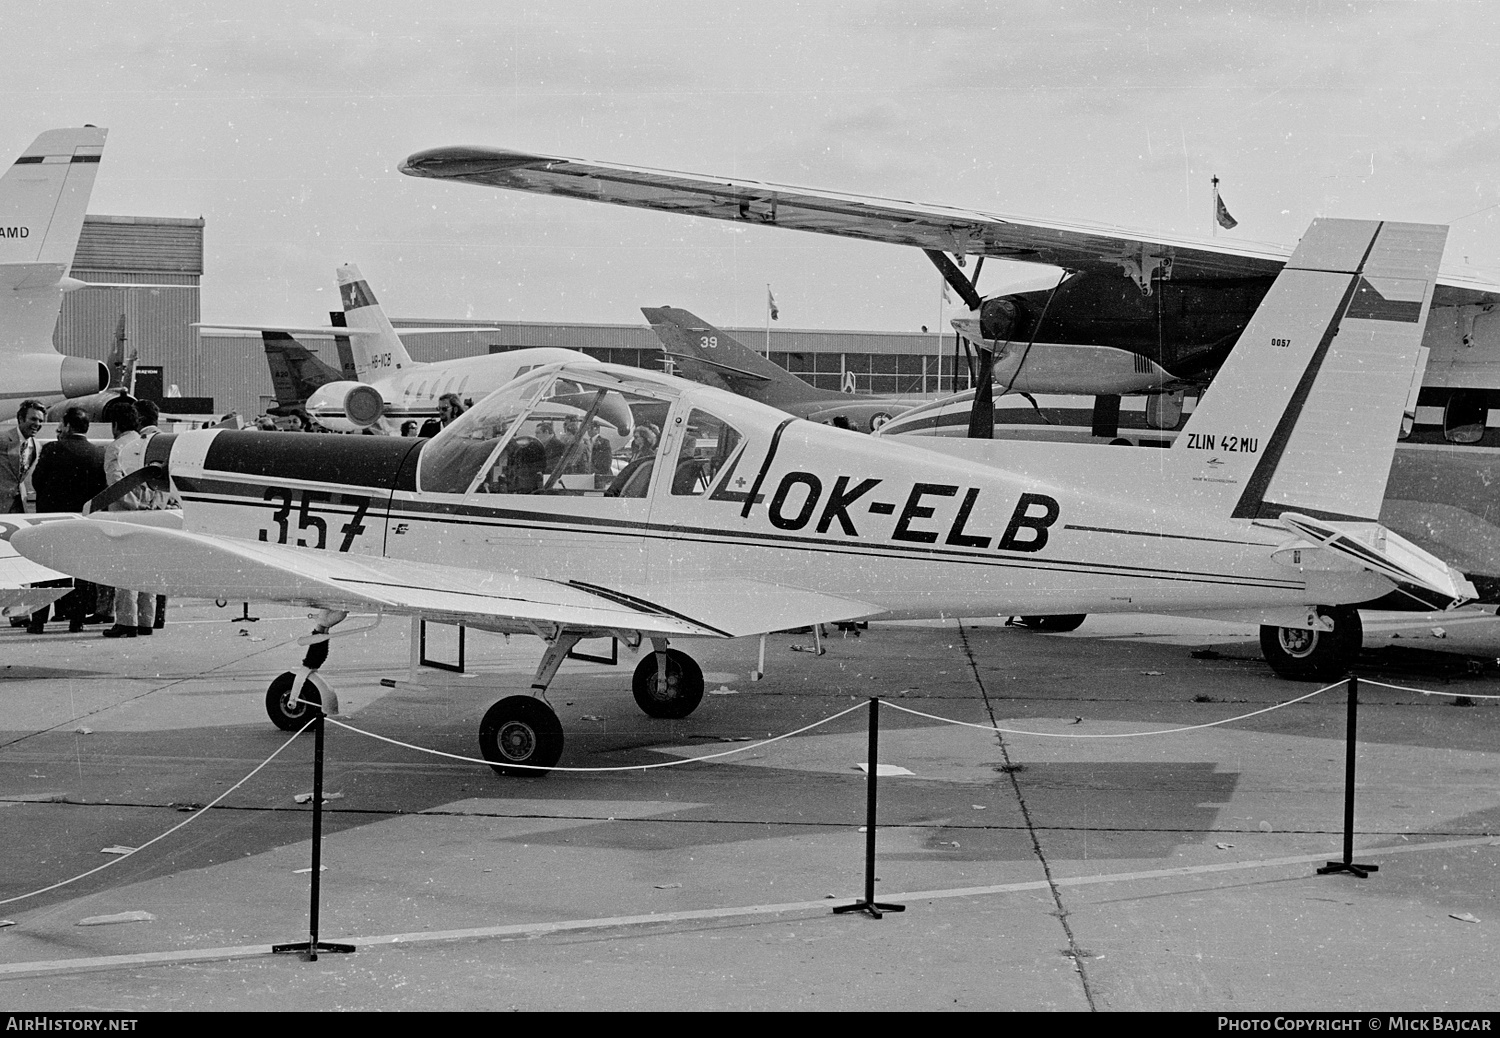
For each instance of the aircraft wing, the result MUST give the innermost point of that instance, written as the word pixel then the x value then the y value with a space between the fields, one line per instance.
pixel 182 563
pixel 1075 246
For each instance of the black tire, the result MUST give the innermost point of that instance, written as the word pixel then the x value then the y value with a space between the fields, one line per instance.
pixel 678 696
pixel 283 714
pixel 1053 624
pixel 1302 655
pixel 521 730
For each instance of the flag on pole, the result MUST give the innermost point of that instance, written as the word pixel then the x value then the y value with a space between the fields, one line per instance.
pixel 771 304
pixel 1221 211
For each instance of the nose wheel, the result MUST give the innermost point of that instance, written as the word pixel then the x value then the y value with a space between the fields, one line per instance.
pixel 285 714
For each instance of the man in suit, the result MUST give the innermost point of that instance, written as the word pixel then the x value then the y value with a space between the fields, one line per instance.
pixel 18 454
pixel 69 472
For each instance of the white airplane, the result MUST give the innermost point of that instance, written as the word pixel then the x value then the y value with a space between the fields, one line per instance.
pixel 392 387
pixel 744 520
pixel 1110 312
pixel 42 201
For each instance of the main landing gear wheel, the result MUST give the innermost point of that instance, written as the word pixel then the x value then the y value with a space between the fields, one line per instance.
pixel 1053 624
pixel 284 714
pixel 1303 655
pixel 677 696
pixel 521 730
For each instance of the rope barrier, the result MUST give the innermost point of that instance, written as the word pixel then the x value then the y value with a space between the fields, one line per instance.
pixel 190 818
pixel 623 767
pixel 1112 735
pixel 1424 691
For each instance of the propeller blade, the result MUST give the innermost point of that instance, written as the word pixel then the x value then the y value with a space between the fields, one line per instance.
pixel 982 414
pixel 153 476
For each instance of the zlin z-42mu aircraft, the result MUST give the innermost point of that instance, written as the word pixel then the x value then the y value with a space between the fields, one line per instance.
pixel 743 520
pixel 1121 312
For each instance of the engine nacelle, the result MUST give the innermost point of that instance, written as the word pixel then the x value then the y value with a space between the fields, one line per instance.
pixel 346 405
pixel 48 375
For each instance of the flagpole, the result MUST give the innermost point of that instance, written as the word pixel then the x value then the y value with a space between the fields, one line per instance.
pixel 938 382
pixel 768 320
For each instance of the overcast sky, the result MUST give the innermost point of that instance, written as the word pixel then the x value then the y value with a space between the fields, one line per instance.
pixel 282 124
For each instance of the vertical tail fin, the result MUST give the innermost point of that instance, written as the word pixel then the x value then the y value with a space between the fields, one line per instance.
pixel 296 372
pixel 710 355
pixel 1304 414
pixel 43 197
pixel 375 356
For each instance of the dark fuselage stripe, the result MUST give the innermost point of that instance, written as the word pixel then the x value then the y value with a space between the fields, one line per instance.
pixel 534 523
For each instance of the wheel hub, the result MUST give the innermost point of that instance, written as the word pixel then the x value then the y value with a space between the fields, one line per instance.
pixel 1297 642
pixel 516 741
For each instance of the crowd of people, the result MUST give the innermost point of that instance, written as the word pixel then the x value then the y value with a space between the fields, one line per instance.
pixel 69 473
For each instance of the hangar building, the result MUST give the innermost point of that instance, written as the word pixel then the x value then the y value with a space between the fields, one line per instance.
pixel 232 369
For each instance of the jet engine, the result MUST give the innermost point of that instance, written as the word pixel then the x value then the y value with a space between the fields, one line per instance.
pixel 354 405
pixel 50 374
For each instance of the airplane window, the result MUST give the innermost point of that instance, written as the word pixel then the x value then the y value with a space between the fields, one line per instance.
pixel 1465 416
pixel 707 443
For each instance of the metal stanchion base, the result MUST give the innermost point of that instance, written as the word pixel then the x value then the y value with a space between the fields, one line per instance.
pixel 875 908
pixel 1360 870
pixel 311 948
pixel 245 617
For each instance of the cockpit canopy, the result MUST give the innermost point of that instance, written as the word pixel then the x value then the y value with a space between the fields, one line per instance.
pixel 564 428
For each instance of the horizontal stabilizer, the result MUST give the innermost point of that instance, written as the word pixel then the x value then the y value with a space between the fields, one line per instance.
pixel 326 331
pixel 1422 576
pixel 727 370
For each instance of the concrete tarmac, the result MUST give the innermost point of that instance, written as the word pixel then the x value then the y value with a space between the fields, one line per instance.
pixel 1078 862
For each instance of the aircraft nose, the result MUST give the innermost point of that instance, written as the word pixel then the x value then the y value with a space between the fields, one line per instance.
pixel 967 325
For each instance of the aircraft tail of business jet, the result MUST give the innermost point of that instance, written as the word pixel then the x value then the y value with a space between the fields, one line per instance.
pixel 1300 425
pixel 378 355
pixel 43 197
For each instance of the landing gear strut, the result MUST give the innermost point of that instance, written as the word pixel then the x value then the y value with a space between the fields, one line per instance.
pixel 521 735
pixel 291 696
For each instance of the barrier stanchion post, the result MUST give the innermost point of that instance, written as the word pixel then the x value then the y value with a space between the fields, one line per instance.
pixel 869 904
pixel 312 946
pixel 1351 729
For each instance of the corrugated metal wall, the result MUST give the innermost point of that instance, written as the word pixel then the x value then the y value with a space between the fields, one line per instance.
pixel 148 251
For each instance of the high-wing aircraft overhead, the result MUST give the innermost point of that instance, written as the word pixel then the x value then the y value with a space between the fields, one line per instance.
pixel 710 355
pixel 739 520
pixel 1140 312
pixel 389 386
